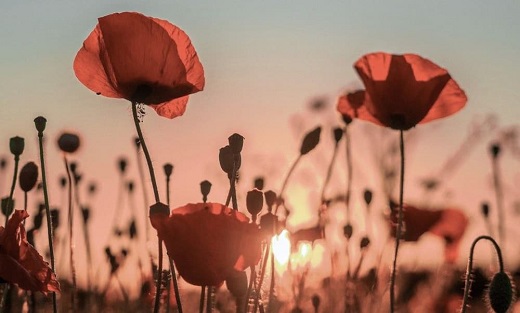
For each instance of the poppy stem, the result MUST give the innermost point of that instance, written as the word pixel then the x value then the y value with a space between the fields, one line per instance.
pixel 71 236
pixel 202 295
pixel 329 171
pixel 467 283
pixel 499 199
pixel 157 200
pixel 286 180
pixel 350 172
pixel 48 216
pixel 262 274
pixel 399 224
pixel 10 204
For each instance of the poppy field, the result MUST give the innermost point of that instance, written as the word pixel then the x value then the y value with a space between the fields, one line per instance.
pixel 376 203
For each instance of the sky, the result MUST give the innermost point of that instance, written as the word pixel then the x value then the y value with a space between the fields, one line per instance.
pixel 265 62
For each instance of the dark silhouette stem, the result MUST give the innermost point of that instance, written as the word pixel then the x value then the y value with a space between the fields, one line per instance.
pixel 172 264
pixel 467 283
pixel 350 172
pixel 329 172
pixel 202 295
pixel 399 224
pixel 499 200
pixel 48 217
pixel 71 237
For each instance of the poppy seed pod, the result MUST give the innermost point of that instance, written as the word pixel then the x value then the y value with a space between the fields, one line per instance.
pixel 68 142
pixel 130 186
pixel 205 188
pixel 168 169
pixel 7 206
pixel 365 242
pixel 122 163
pixel 310 141
pixel 225 158
pixel 63 181
pixel 316 302
pixel 40 122
pixel 28 176
pixel 270 198
pixel 3 163
pixel 237 284
pixel 367 195
pixel 236 143
pixel 159 208
pixel 16 145
pixel 259 183
pixel 338 134
pixel 500 293
pixel 494 149
pixel 254 202
pixel 347 231
pixel 85 214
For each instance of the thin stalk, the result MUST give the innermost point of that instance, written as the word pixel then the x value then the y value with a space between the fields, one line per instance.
pixel 202 295
pixel 71 237
pixel 399 224
pixel 157 303
pixel 467 283
pixel 329 172
pixel 262 274
pixel 499 200
pixel 350 172
pixel 252 278
pixel 48 217
pixel 209 300
pixel 172 264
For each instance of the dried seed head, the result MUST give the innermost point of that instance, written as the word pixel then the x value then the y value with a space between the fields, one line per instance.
pixel 168 169
pixel 7 206
pixel 236 143
pixel 16 145
pixel 38 221
pixel 500 292
pixel 254 202
pixel 40 122
pixel 205 188
pixel 270 198
pixel 268 223
pixel 132 229
pixel 28 176
pixel 68 142
pixel 159 208
pixel 92 188
pixel 310 141
pixel 225 158
pixel 259 183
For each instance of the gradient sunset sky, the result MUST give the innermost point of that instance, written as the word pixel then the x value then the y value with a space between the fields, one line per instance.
pixel 264 62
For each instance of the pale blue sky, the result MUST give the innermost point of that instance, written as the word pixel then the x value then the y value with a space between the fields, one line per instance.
pixel 264 61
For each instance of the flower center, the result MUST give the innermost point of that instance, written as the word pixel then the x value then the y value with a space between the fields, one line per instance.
pixel 141 93
pixel 398 121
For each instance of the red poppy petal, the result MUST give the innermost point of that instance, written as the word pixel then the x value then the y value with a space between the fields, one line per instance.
pixel 90 70
pixel 346 107
pixel 13 272
pixel 171 109
pixel 451 100
pixel 141 52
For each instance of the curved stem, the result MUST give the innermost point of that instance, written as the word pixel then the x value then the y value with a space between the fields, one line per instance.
pixel 399 223
pixel 467 283
pixel 157 200
pixel 71 237
pixel 329 172
pixel 350 172
pixel 286 180
pixel 48 217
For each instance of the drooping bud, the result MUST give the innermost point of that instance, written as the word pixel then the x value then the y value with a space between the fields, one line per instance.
pixel 236 143
pixel 365 242
pixel 68 142
pixel 338 134
pixel 367 195
pixel 225 158
pixel 494 149
pixel 270 199
pixel 254 202
pixel 259 183
pixel 40 122
pixel 168 169
pixel 28 176
pixel 122 163
pixel 347 231
pixel 205 188
pixel 500 292
pixel 16 145
pixel 485 209
pixel 310 141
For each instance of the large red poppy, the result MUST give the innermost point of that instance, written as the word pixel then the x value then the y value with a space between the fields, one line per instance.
pixel 403 91
pixel 20 263
pixel 141 59
pixel 208 241
pixel 449 224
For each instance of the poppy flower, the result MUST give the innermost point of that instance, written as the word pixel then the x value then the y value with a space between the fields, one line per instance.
pixel 141 59
pixel 402 91
pixel 208 241
pixel 20 263
pixel 448 224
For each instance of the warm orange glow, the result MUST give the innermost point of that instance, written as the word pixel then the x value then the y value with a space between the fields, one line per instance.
pixel 300 260
pixel 281 247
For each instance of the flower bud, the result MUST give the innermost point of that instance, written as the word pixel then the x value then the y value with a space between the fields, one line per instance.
pixel 168 169
pixel 365 241
pixel 500 293
pixel 494 149
pixel 254 202
pixel 315 302
pixel 270 198
pixel 338 134
pixel 130 186
pixel 485 209
pixel 68 142
pixel 7 206
pixel 205 188
pixel 40 122
pixel 225 158
pixel 63 181
pixel 259 183
pixel 310 141
pixel 3 163
pixel 28 176
pixel 236 143
pixel 347 231
pixel 367 195
pixel 16 145
pixel 85 214
pixel 122 164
